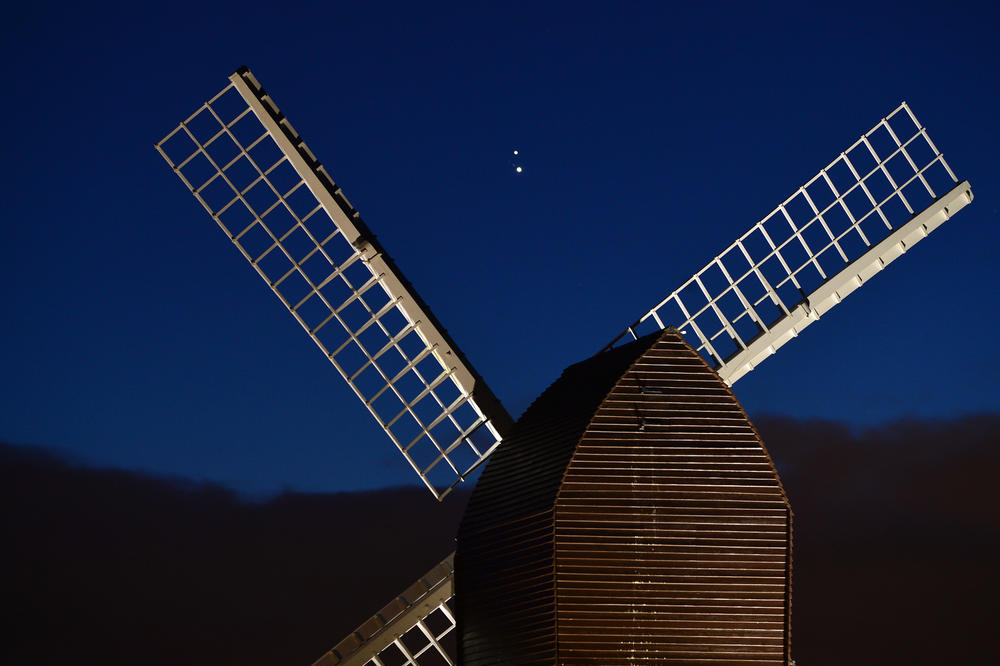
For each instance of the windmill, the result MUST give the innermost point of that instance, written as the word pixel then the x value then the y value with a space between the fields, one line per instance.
pixel 252 172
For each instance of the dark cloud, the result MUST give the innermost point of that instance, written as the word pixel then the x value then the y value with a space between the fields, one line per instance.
pixel 896 531
pixel 112 567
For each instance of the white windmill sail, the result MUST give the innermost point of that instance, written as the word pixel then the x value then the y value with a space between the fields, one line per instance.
pixel 415 628
pixel 255 176
pixel 887 191
pixel 878 198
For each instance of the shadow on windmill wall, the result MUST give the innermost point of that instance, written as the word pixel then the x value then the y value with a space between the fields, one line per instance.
pixel 897 535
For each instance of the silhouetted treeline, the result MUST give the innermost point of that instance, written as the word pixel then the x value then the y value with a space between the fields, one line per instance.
pixel 112 567
pixel 897 535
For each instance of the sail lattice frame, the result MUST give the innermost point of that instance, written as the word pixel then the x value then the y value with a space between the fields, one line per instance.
pixel 246 165
pixel 878 198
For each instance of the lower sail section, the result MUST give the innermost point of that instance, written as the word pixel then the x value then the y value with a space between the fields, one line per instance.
pixel 633 515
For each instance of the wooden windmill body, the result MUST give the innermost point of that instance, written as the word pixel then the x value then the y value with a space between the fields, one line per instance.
pixel 633 515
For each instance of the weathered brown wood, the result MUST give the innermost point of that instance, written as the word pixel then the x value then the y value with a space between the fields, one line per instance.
pixel 633 515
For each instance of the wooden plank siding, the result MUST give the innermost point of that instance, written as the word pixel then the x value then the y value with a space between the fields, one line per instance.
pixel 672 531
pixel 504 567
pixel 665 539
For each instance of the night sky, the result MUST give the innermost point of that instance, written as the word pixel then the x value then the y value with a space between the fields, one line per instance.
pixel 135 336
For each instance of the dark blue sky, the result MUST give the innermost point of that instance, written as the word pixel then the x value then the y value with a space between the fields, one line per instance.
pixel 134 335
